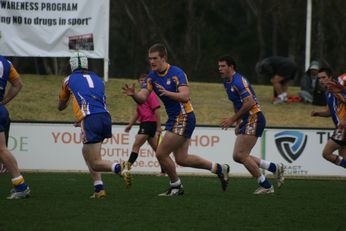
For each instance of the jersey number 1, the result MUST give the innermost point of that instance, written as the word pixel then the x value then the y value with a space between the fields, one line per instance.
pixel 89 80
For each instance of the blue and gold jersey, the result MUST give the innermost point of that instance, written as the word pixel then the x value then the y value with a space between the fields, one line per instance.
pixel 237 90
pixel 336 105
pixel 87 91
pixel 171 80
pixel 7 73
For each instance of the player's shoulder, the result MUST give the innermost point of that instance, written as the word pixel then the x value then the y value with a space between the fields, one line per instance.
pixel 175 69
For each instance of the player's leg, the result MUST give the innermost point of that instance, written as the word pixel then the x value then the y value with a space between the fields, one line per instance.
pixel 154 142
pixel 95 129
pixel 21 189
pixel 342 156
pixel 99 191
pixel 169 144
pixel 190 160
pixel 241 154
pixel 328 152
pixel 140 139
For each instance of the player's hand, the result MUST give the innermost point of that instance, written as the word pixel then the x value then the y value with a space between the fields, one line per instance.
pixel 129 90
pixel 333 86
pixel 342 124
pixel 159 130
pixel 237 130
pixel 161 89
pixel 227 122
pixel 314 113
pixel 77 124
pixel 128 128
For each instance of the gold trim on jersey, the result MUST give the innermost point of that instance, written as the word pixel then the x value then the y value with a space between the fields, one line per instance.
pixel 180 124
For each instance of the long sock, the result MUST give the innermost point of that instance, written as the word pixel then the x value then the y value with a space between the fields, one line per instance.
pixel 98 186
pixel 175 184
pixel 19 184
pixel 216 168
pixel 263 182
pixel 267 165
pixel 133 157
pixel 116 168
pixel 343 163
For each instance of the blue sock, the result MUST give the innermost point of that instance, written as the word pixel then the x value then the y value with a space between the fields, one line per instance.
pixel 218 169
pixel 98 187
pixel 272 167
pixel 343 163
pixel 21 187
pixel 117 168
pixel 265 184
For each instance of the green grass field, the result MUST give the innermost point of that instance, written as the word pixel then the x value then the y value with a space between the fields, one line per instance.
pixel 60 201
pixel 38 102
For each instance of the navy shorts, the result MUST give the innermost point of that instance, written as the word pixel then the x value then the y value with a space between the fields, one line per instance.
pixel 182 125
pixel 4 121
pixel 96 128
pixel 339 136
pixel 147 128
pixel 253 125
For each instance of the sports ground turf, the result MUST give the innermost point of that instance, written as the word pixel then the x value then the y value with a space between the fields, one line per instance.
pixel 60 201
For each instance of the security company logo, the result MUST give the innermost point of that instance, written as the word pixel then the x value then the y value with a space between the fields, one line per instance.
pixel 290 144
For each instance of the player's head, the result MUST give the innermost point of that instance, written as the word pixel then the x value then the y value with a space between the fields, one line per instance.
pixel 158 57
pixel 324 75
pixel 227 66
pixel 141 79
pixel 78 61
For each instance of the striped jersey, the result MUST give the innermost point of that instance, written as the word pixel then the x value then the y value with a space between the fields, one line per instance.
pixel 238 89
pixel 87 91
pixel 336 105
pixel 171 80
pixel 7 72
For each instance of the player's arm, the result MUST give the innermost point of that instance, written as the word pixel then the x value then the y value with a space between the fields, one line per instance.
pixel 139 97
pixel 132 122
pixel 64 95
pixel 325 113
pixel 62 104
pixel 15 87
pixel 248 103
pixel 183 94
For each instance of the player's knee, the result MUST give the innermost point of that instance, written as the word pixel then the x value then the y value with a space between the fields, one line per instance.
pixel 182 162
pixel 237 157
pixel 3 150
pixel 326 155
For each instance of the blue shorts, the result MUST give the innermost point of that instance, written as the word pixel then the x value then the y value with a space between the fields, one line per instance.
pixel 4 118
pixel 4 121
pixel 253 125
pixel 182 125
pixel 96 128
pixel 339 137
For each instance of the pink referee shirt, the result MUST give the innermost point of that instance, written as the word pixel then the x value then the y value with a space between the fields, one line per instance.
pixel 146 111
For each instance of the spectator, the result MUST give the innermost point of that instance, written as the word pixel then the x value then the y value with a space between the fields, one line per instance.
pixel 280 70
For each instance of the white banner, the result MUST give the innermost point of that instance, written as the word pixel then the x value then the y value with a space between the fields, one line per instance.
pixel 57 147
pixel 301 152
pixel 54 28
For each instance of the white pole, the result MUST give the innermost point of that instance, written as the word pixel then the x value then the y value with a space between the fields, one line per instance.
pixel 106 58
pixel 308 34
